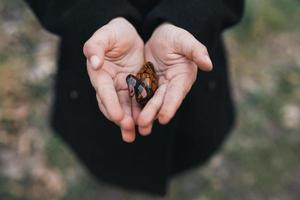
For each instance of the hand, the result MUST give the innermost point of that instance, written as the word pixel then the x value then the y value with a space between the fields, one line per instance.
pixel 113 52
pixel 175 54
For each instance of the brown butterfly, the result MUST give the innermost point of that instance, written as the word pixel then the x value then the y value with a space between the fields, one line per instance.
pixel 143 85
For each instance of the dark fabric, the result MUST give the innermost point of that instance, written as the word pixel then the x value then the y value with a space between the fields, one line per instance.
pixel 79 19
pixel 200 125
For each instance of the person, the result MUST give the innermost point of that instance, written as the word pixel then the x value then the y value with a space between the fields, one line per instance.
pixel 183 39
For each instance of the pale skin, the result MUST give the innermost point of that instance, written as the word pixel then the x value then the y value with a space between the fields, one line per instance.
pixel 116 50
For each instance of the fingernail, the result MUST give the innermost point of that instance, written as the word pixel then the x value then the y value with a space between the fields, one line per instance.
pixel 95 61
pixel 208 61
pixel 127 137
pixel 144 131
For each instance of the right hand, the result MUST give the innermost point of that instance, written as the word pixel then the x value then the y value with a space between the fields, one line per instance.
pixel 114 51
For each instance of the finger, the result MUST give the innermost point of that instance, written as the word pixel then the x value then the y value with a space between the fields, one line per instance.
pixel 94 49
pixel 128 134
pixel 148 114
pixel 95 54
pixel 146 130
pixel 176 92
pixel 135 109
pixel 194 50
pixel 109 98
pixel 96 63
pixel 101 107
pixel 127 124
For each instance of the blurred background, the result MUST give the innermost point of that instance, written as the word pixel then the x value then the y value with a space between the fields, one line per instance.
pixel 261 159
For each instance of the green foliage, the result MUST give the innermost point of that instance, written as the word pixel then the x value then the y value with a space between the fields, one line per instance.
pixel 58 155
pixel 264 17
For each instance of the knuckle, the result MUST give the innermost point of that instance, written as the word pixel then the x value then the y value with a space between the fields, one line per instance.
pixel 87 47
pixel 204 48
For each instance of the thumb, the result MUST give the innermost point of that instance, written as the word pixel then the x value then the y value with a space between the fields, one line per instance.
pixel 188 46
pixel 94 49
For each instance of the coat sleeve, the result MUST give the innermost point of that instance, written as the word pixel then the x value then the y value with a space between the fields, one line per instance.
pixel 205 19
pixel 81 18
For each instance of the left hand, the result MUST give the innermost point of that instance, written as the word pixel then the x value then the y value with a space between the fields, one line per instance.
pixel 175 54
pixel 114 51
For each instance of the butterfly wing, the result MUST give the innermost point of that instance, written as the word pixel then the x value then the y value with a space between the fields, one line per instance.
pixel 148 76
pixel 138 89
pixel 143 85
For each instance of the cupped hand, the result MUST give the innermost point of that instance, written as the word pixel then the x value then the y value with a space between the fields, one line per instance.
pixel 114 51
pixel 175 54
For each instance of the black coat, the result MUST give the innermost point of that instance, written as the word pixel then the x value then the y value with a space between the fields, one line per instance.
pixel 200 125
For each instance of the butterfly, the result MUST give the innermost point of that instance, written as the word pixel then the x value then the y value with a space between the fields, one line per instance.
pixel 143 85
